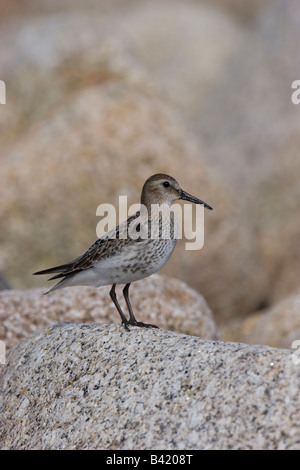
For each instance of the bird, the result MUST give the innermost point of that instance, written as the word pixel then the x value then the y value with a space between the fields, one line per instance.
pixel 117 259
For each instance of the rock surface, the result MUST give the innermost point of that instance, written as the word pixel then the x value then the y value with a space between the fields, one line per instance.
pixel 278 326
pixel 66 38
pixel 74 386
pixel 166 302
pixel 186 56
pixel 249 130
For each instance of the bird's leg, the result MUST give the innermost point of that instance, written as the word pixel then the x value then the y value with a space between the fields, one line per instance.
pixel 132 320
pixel 113 296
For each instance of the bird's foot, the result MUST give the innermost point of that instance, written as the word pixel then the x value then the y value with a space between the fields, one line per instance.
pixel 141 324
pixel 125 326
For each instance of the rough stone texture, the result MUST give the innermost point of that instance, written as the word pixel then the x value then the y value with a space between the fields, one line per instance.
pixel 166 302
pixel 75 386
pixel 277 326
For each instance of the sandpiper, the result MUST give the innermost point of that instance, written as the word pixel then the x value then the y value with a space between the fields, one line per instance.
pixel 113 260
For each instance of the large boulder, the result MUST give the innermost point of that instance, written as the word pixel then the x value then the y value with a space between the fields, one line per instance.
pixel 183 46
pixel 249 129
pixel 74 386
pixel 277 326
pixel 62 51
pixel 166 302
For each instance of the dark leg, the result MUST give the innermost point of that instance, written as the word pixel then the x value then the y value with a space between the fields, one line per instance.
pixel 132 319
pixel 115 301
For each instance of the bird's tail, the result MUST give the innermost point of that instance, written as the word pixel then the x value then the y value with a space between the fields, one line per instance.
pixel 56 269
pixel 63 272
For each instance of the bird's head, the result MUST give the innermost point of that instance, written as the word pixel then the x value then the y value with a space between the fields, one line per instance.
pixel 164 189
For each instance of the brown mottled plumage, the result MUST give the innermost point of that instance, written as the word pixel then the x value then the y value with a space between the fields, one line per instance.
pixel 115 259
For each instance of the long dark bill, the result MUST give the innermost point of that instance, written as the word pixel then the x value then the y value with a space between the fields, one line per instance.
pixel 188 197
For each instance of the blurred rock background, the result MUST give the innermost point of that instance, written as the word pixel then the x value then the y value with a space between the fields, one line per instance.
pixel 102 94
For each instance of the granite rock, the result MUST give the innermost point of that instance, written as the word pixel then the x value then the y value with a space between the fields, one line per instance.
pixel 166 302
pixel 249 129
pixel 74 386
pixel 186 66
pixel 57 41
pixel 277 326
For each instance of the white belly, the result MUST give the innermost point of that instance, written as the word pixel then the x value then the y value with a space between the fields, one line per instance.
pixel 136 260
pixel 133 263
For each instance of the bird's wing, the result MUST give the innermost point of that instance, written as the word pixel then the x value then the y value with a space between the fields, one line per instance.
pixel 106 246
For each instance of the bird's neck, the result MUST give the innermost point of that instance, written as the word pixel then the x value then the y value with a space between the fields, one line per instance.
pixel 148 203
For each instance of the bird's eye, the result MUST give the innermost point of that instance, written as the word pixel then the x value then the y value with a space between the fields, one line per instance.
pixel 166 184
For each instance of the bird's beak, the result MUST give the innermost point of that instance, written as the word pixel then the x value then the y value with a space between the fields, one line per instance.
pixel 188 197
